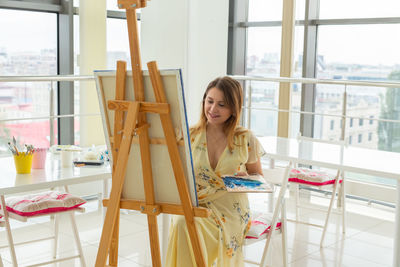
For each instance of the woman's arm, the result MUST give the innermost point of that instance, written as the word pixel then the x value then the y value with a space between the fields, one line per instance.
pixel 252 168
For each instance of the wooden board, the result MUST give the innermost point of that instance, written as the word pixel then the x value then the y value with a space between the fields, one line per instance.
pixel 164 181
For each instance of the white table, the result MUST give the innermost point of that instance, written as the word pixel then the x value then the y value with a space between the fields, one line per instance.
pixel 348 159
pixel 53 175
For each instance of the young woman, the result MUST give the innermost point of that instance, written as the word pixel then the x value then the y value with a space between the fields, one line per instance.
pixel 219 147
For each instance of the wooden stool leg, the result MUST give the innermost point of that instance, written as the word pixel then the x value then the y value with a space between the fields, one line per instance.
pixel 343 189
pixel 76 237
pixel 297 200
pixel 56 228
pixel 8 231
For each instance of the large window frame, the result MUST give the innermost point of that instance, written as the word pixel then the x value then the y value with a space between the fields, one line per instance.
pixel 65 55
pixel 237 37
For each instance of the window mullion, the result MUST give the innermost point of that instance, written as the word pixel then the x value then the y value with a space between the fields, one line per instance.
pixel 308 91
pixel 65 99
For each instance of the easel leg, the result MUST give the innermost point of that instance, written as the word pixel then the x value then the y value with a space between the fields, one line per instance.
pixel 173 151
pixel 118 181
pixel 154 240
pixel 118 126
pixel 113 253
pixel 144 142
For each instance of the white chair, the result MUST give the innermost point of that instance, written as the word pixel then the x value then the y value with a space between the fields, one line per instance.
pixel 321 180
pixel 53 212
pixel 278 176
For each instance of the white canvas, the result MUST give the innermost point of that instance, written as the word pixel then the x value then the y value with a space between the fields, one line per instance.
pixel 164 182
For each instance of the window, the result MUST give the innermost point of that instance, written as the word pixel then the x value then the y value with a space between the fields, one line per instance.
pixel 26 100
pixel 261 10
pixel 344 51
pixel 345 41
pixel 350 139
pixel 358 9
pixel 118 43
pixel 117 49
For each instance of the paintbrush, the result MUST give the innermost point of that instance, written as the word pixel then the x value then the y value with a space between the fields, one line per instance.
pixel 11 149
pixel 15 145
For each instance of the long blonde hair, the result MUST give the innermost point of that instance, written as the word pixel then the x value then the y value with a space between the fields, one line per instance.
pixel 233 98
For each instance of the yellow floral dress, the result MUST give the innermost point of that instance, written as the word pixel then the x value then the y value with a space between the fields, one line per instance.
pixel 222 234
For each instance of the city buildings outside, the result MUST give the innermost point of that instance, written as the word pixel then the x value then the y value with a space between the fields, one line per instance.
pixel 364 102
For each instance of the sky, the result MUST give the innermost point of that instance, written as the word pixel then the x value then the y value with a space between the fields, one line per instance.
pixel 363 44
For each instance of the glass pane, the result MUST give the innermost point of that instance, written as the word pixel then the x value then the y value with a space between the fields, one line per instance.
pixel 340 9
pixel 29 47
pixel 271 10
pixel 117 49
pixel 329 101
pixel 369 53
pixel 36 132
pixel 264 96
pixel 350 50
pixel 264 51
pixel 265 10
pixel 295 106
pixel 361 52
pixel 300 9
pixel 118 43
pixel 113 5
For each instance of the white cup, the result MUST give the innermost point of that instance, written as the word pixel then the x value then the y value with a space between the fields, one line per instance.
pixel 66 158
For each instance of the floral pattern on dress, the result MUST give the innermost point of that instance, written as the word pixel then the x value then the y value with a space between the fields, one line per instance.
pixel 244 214
pixel 232 246
pixel 225 229
pixel 207 182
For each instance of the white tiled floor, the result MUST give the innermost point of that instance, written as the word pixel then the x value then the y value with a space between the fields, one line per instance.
pixel 368 240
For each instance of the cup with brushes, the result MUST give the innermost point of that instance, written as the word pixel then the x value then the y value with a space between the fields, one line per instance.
pixel 22 156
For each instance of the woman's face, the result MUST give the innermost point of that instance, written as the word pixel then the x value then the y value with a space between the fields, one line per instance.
pixel 215 108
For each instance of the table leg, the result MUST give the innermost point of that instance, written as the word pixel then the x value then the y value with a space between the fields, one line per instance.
pixel 271 196
pixel 396 250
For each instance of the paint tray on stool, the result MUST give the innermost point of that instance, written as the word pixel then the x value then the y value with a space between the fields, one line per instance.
pixel 250 183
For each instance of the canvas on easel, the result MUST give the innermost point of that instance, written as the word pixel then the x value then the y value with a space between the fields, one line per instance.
pixel 144 119
pixel 163 176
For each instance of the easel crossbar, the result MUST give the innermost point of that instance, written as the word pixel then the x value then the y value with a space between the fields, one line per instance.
pixel 153 141
pixel 152 107
pixel 131 204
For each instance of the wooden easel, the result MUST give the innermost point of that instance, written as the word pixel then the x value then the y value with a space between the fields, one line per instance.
pixel 135 129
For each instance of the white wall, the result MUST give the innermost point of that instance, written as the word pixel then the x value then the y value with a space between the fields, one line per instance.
pixel 191 35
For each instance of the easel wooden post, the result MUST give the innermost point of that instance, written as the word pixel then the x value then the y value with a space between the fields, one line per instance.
pixel 136 125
